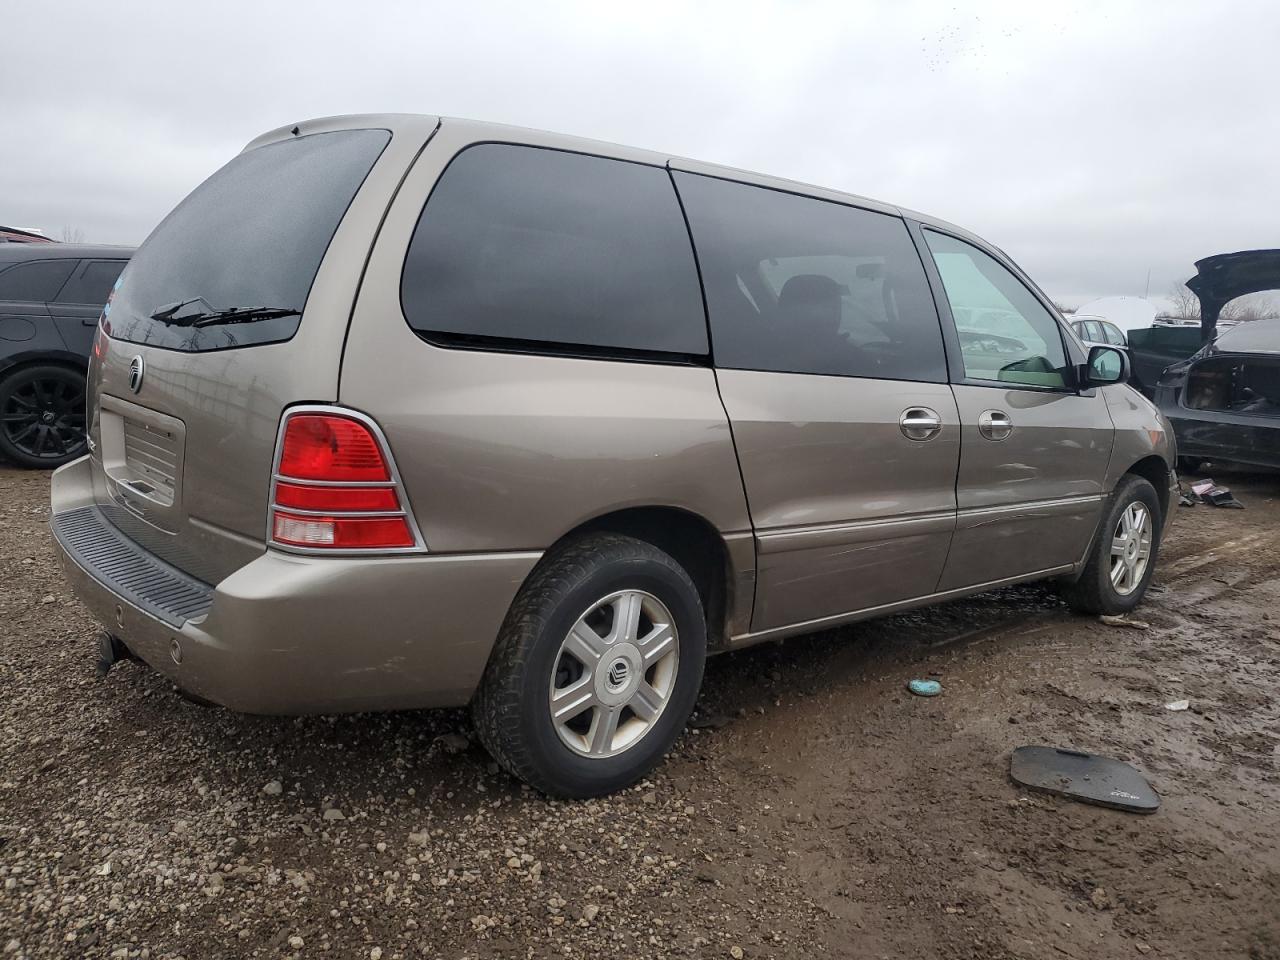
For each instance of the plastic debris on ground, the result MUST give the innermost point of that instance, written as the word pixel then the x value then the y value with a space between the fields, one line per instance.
pixel 1084 777
pixel 1124 622
pixel 1206 491
pixel 925 688
pixel 1178 705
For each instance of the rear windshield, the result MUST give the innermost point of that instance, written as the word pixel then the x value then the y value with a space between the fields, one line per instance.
pixel 232 265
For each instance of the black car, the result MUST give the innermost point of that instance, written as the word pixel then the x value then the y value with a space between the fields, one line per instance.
pixel 1224 402
pixel 51 295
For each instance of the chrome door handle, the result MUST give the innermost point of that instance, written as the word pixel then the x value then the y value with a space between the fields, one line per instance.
pixel 920 423
pixel 995 424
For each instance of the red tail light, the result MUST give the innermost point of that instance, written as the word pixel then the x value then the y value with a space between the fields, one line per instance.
pixel 335 486
pixel 322 447
pixel 336 498
pixel 100 340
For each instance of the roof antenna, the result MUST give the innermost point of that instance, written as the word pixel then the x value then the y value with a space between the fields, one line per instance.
pixel 294 131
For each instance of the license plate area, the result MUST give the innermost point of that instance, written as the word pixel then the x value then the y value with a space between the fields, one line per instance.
pixel 142 458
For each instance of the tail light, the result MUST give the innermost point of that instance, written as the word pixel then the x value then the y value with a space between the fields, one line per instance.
pixel 102 336
pixel 335 486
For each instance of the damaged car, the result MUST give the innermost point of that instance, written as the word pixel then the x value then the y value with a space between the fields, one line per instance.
pixel 1224 401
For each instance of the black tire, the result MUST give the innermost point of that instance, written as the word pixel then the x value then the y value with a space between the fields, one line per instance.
pixel 1189 464
pixel 511 708
pixel 1094 592
pixel 42 416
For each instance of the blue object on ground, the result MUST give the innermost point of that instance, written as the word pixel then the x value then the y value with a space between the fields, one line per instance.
pixel 925 688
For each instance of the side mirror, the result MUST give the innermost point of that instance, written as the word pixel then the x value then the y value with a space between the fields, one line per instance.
pixel 1106 365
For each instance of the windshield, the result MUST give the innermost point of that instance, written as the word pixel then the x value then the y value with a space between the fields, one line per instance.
pixel 239 255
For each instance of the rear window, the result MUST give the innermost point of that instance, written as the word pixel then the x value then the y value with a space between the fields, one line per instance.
pixel 92 282
pixel 35 281
pixel 249 240
pixel 527 248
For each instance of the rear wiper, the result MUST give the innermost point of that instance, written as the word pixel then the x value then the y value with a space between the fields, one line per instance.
pixel 209 317
pixel 240 315
pixel 165 313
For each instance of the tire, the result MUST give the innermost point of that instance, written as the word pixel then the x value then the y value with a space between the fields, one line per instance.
pixel 1096 591
pixel 535 659
pixel 1189 464
pixel 42 416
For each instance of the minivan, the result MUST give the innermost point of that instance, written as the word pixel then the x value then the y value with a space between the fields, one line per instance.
pixel 402 412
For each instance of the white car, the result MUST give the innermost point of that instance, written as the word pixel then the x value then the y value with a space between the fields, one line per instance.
pixel 1095 330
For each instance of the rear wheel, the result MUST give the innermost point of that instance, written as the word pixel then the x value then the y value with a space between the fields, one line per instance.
pixel 1124 553
pixel 596 670
pixel 42 416
pixel 1189 464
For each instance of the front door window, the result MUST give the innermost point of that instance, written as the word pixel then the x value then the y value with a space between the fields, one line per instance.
pixel 1006 335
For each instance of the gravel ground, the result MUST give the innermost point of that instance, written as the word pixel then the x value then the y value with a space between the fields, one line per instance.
pixel 817 810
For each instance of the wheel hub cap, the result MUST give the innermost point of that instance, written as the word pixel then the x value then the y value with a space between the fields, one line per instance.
pixel 616 684
pixel 619 674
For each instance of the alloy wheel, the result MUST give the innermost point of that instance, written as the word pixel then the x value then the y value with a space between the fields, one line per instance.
pixel 1131 548
pixel 44 417
pixel 614 674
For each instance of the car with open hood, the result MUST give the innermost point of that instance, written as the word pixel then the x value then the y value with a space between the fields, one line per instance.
pixel 1224 401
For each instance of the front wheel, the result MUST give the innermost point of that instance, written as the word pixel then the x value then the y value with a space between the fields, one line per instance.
pixel 596 670
pixel 1123 556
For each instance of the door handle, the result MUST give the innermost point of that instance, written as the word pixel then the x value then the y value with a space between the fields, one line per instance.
pixel 920 423
pixel 995 424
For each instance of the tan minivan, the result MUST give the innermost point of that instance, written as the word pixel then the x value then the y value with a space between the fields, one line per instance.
pixel 397 412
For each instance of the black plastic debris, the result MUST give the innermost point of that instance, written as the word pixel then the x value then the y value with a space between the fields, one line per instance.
pixel 1206 491
pixel 1084 777
pixel 1221 497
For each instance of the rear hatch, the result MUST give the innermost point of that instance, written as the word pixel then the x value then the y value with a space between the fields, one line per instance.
pixel 235 307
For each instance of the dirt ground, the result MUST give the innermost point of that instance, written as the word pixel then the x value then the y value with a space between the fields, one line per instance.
pixel 820 809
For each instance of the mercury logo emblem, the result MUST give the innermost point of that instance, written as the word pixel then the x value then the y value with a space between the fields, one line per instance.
pixel 618 673
pixel 135 374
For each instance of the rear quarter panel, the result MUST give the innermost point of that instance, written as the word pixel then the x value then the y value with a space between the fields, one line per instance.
pixel 505 451
pixel 231 401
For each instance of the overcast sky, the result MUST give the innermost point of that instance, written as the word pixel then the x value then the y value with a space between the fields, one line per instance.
pixel 1093 142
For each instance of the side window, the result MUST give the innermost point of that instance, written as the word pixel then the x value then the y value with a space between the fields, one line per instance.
pixel 35 281
pixel 1113 334
pixel 1093 332
pixel 1005 333
pixel 799 285
pixel 531 245
pixel 92 283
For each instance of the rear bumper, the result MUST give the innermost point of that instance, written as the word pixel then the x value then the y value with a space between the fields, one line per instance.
pixel 291 634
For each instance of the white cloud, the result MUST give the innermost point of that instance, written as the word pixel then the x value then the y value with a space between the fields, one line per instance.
pixel 1093 142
